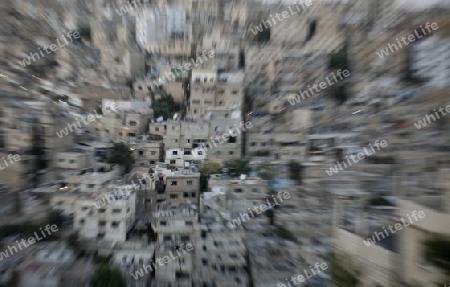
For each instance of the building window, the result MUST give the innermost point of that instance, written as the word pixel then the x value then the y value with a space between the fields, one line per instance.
pixel 172 161
pixel 102 210
pixel 189 182
pixel 153 152
pixel 61 160
pixel 116 210
pixel 234 92
pixel 164 223
pixel 238 190
pixel 72 161
pixel 174 152
pixel 188 223
pixel 230 152
pixel 173 182
pixel 115 224
pixel 81 221
pixel 174 196
pixel 156 129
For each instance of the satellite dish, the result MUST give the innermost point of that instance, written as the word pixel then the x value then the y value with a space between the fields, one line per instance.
pixel 175 116
pixel 160 120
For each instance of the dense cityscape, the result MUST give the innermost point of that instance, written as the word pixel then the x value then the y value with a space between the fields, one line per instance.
pixel 225 143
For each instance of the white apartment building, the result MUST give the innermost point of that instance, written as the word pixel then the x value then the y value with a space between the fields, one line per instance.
pixel 400 257
pixel 155 25
pixel 87 180
pixel 180 157
pixel 240 194
pixel 436 68
pixel 107 215
pixel 72 160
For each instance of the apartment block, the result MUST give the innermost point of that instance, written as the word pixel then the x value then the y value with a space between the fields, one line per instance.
pixel 72 160
pixel 21 174
pixel 220 258
pixel 241 194
pixel 106 215
pixel 152 151
pixel 185 135
pixel 175 187
pixel 185 157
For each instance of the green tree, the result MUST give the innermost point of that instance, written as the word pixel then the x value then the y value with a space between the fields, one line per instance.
pixel 206 170
pixel 165 106
pixel 105 276
pixel 237 167
pixel 295 171
pixel 38 150
pixel 344 271
pixel 266 171
pixel 339 93
pixel 98 259
pixel 339 59
pixel 121 155
pixel 73 241
pixel 437 251
pixel 263 36
pixel 55 217
pixel 99 110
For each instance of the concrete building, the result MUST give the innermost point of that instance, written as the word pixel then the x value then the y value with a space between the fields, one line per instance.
pixel 185 157
pixel 154 25
pixel 151 152
pixel 434 70
pixel 72 160
pixel 240 194
pixel 106 215
pixel 185 134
